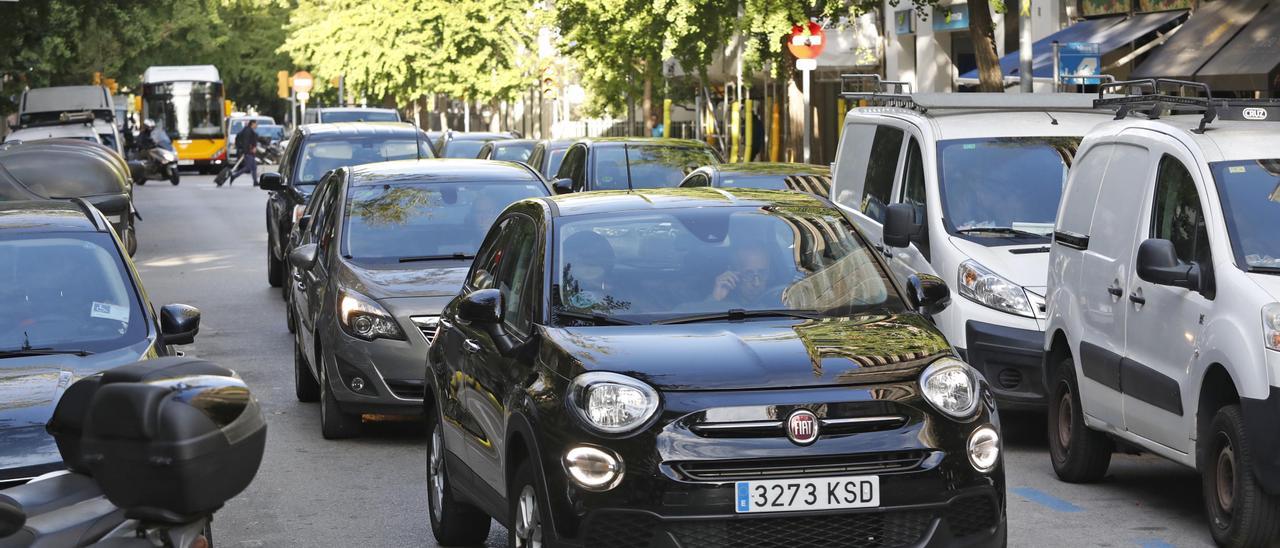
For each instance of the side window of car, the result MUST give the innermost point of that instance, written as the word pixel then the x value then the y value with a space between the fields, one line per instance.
pixel 535 157
pixel 485 151
pixel 573 167
pixel 327 223
pixel 913 192
pixel 697 179
pixel 489 258
pixel 290 156
pixel 520 250
pixel 319 205
pixel 1177 216
pixel 882 166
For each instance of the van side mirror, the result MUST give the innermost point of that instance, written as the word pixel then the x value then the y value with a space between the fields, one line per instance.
pixel 1158 264
pixel 179 323
pixel 271 181
pixel 481 307
pixel 562 186
pixel 900 226
pixel 927 293
pixel 303 256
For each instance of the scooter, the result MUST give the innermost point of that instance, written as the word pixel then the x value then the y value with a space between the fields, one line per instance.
pixel 154 163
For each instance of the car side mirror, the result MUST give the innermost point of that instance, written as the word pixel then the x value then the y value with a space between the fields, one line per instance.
pixel 927 293
pixel 562 186
pixel 481 307
pixel 271 181
pixel 304 222
pixel 179 323
pixel 900 225
pixel 1158 264
pixel 303 256
pixel 12 518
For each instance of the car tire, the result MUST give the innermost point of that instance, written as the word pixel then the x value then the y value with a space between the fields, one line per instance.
pixel 275 268
pixel 1240 513
pixel 131 239
pixel 175 177
pixel 453 522
pixel 1079 454
pixel 527 528
pixel 290 320
pixel 304 381
pixel 334 424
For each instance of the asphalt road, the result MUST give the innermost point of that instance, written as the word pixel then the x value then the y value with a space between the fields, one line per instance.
pixel 206 246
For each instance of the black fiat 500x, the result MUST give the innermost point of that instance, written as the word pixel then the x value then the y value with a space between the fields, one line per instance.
pixel 703 367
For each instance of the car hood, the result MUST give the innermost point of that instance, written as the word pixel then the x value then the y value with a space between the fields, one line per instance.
pixel 1268 282
pixel 782 353
pixel 1026 265
pixel 422 280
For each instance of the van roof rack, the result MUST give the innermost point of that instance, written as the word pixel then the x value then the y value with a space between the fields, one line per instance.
pixel 1155 97
pixel 888 93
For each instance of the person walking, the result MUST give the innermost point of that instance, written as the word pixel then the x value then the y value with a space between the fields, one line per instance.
pixel 247 148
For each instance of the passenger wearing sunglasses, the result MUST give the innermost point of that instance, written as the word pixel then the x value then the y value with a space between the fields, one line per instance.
pixel 746 285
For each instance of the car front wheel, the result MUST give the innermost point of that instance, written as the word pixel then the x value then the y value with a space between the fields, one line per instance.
pixel 275 267
pixel 1240 513
pixel 528 510
pixel 453 522
pixel 304 382
pixel 334 424
pixel 1079 454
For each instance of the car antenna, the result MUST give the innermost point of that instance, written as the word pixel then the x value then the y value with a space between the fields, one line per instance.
pixel 417 139
pixel 626 156
pixel 1054 121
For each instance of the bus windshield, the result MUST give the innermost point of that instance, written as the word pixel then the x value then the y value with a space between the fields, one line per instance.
pixel 186 110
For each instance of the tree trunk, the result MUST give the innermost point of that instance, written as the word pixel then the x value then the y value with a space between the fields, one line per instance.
pixel 646 104
pixel 982 32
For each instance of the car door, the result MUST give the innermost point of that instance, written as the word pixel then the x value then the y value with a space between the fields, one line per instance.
pixel 914 258
pixel 875 172
pixel 1165 323
pixel 493 371
pixel 312 287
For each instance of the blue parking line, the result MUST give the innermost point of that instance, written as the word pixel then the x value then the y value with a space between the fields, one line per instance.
pixel 1153 543
pixel 1044 499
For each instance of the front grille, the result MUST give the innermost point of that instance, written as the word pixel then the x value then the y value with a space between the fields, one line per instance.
pixel 619 530
pixel 409 390
pixel 427 325
pixel 878 463
pixel 867 530
pixel 971 515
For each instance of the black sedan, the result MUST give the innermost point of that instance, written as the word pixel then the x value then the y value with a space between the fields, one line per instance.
pixel 507 150
pixel 773 176
pixel 701 367
pixel 621 163
pixel 71 305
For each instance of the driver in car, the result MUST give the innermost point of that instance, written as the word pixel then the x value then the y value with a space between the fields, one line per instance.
pixel 746 284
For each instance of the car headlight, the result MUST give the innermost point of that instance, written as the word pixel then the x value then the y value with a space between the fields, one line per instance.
pixel 362 318
pixel 612 403
pixel 1271 326
pixel 988 289
pixel 950 386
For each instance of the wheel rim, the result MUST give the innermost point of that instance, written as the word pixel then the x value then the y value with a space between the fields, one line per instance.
pixel 1226 477
pixel 324 391
pixel 1065 409
pixel 436 473
pixel 528 520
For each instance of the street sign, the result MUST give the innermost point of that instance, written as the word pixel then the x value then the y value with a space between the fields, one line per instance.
pixel 807 40
pixel 953 18
pixel 1076 59
pixel 904 22
pixel 302 82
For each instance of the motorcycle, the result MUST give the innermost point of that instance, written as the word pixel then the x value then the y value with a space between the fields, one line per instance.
pixel 154 163
pixel 270 152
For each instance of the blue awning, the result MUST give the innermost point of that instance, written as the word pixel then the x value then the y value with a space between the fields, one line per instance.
pixel 1110 33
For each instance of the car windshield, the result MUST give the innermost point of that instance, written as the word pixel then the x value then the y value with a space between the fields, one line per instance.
pixel 409 221
pixel 1250 194
pixel 660 266
pixel 518 152
pixel 333 116
pixel 463 149
pixel 66 292
pixel 320 156
pixel 1005 187
pixel 652 166
pixel 813 184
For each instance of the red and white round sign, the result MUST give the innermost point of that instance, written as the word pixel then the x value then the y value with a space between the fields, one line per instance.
pixel 806 40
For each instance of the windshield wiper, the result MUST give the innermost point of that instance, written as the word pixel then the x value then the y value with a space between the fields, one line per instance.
pixel 453 257
pixel 1003 230
pixel 739 314
pixel 597 317
pixel 25 352
pixel 1264 269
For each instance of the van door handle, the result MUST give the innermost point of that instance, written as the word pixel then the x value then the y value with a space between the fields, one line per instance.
pixel 471 346
pixel 1115 291
pixel 1137 299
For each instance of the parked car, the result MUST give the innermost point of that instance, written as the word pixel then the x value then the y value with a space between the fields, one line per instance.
pixel 1163 326
pixel 314 150
pixel 236 124
pixel 773 176
pixel 433 137
pixel 39 106
pixel 694 367
pixel 71 305
pixel 965 186
pixel 79 130
pixel 331 115
pixel 385 248
pixel 458 144
pixel 547 155
pixel 620 163
pixel 507 150
pixel 84 170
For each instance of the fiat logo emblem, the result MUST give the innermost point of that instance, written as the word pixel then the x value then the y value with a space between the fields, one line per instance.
pixel 802 427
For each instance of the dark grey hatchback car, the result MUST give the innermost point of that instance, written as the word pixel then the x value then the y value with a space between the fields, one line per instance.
pixel 386 247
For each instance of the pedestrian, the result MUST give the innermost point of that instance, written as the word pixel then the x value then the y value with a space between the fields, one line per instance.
pixel 247 148
pixel 657 125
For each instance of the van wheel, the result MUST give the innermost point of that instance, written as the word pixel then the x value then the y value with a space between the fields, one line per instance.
pixel 334 424
pixel 1079 455
pixel 1240 513
pixel 304 382
pixel 527 510
pixel 453 522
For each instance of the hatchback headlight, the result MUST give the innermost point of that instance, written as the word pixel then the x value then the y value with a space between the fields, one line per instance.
pixel 363 318
pixel 612 403
pixel 951 387
pixel 986 288
pixel 1271 326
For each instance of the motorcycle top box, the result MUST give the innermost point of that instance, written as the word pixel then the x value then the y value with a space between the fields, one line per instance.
pixel 171 448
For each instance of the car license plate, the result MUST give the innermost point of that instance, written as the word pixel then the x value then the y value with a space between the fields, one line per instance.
pixel 186 162
pixel 795 495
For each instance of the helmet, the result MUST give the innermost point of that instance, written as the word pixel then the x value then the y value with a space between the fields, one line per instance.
pixel 149 123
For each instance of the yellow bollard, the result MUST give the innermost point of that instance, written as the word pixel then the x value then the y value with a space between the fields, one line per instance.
pixel 735 133
pixel 666 117
pixel 748 147
pixel 709 122
pixel 843 108
pixel 775 134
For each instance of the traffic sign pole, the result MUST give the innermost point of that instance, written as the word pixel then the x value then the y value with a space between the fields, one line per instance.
pixel 806 67
pixel 806 44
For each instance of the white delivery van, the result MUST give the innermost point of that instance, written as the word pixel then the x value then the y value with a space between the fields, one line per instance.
pixel 43 106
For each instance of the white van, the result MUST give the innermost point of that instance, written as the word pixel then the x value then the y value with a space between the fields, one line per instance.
pixel 1163 326
pixel 40 106
pixel 966 187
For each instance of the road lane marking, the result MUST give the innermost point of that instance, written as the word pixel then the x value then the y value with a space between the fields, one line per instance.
pixel 1153 543
pixel 1044 499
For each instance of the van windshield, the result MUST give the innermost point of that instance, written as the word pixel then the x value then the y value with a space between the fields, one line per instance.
pixel 1004 188
pixel 1250 194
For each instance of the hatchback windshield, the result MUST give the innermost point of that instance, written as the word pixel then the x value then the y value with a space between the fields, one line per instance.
pixel 1250 194
pixel 66 292
pixel 421 221
pixel 1006 187
pixel 518 152
pixel 320 156
pixel 334 116
pixel 665 265
pixel 463 149
pixel 652 166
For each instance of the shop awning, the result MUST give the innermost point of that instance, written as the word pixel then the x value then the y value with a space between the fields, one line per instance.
pixel 1205 32
pixel 1251 60
pixel 1110 33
